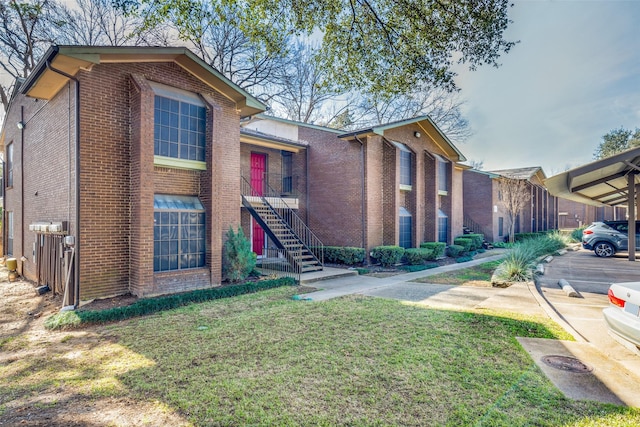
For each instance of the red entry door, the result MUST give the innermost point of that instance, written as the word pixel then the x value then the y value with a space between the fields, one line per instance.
pixel 258 171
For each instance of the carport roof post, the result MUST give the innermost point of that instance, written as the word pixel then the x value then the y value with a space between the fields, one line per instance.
pixel 631 211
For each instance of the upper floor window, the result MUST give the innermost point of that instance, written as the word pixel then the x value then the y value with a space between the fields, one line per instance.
pixel 9 165
pixel 443 174
pixel 179 129
pixel 405 167
pixel 287 172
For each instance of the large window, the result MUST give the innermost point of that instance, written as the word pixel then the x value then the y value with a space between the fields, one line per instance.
pixel 443 226
pixel 179 129
pixel 9 250
pixel 404 221
pixel 405 167
pixel 500 226
pixel 178 233
pixel 443 174
pixel 10 165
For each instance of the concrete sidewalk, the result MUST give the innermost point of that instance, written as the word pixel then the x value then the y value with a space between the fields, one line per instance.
pixel 367 285
pixel 609 372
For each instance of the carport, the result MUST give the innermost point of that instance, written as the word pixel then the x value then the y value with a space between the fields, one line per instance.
pixel 608 182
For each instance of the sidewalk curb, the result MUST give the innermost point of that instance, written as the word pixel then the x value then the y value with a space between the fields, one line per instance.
pixel 552 312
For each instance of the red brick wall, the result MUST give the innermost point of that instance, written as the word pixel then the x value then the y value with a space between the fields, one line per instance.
pixel 118 178
pixel 48 169
pixel 334 200
pixel 479 200
pixel 392 197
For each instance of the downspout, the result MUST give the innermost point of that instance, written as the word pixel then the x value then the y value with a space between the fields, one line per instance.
pixel 76 259
pixel 4 210
pixel 362 191
pixel 22 188
pixel 306 186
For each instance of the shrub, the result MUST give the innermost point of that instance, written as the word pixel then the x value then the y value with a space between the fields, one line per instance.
pixel 454 251
pixel 388 255
pixel 478 239
pixel 467 244
pixel 362 271
pixel 71 319
pixel 519 263
pixel 437 249
pixel 344 255
pixel 464 258
pixel 576 235
pixel 415 256
pixel 238 259
pixel 502 245
pixel 413 268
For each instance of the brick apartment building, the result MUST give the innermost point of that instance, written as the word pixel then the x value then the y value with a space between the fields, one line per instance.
pixel 572 214
pixel 484 212
pixel 135 153
pixel 394 184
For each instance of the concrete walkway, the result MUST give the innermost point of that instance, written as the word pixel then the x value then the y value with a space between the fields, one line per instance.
pixel 367 285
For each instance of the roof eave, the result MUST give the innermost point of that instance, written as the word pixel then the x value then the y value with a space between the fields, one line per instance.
pixel 71 59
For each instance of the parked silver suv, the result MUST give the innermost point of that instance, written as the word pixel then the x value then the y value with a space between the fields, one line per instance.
pixel 608 237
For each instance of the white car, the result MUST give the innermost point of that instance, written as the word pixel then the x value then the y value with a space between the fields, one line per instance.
pixel 623 313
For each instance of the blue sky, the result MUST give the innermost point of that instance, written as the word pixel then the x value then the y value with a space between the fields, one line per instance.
pixel 574 76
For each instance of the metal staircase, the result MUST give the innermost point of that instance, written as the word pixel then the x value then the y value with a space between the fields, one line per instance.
pixel 299 246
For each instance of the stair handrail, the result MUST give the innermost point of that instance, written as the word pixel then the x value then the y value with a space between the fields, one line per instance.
pixel 475 227
pixel 308 238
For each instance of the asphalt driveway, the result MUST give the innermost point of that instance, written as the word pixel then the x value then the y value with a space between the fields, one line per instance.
pixel 590 276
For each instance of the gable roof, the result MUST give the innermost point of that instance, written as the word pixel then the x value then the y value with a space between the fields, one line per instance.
pixel 44 83
pixel 521 173
pixel 424 123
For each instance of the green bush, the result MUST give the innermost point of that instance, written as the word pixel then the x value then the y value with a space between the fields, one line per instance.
pixel 344 255
pixel 413 268
pixel 362 271
pixel 464 258
pixel 576 235
pixel 467 244
pixel 415 256
pixel 478 239
pixel 71 319
pixel 454 251
pixel 238 260
pixel 502 245
pixel 388 255
pixel 437 249
pixel 520 261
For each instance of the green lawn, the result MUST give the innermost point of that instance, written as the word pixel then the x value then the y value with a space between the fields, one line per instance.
pixel 264 359
pixel 479 273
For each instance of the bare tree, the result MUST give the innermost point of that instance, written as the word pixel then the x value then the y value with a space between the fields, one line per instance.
pixel 442 106
pixel 476 164
pixel 513 195
pixel 23 39
pixel 100 22
pixel 216 33
pixel 305 94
